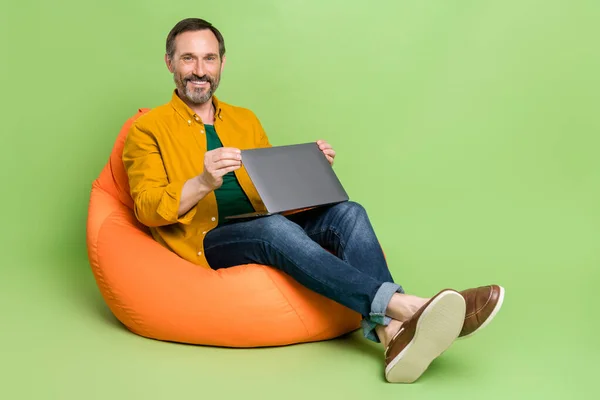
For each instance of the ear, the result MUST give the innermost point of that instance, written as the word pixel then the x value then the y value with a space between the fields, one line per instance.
pixel 223 63
pixel 169 63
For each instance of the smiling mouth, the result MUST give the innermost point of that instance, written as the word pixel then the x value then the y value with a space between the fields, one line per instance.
pixel 199 83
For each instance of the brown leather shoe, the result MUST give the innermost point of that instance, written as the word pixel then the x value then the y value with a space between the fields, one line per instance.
pixel 424 337
pixel 483 303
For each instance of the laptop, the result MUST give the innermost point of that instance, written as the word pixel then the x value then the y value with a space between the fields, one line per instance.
pixel 291 178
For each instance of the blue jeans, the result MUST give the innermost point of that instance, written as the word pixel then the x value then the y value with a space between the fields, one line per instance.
pixel 356 275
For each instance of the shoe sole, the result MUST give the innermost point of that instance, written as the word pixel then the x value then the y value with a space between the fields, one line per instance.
pixel 437 328
pixel 492 315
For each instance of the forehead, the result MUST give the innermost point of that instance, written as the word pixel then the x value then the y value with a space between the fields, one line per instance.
pixel 197 42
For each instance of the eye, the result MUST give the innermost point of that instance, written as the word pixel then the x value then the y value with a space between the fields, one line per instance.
pixel 187 58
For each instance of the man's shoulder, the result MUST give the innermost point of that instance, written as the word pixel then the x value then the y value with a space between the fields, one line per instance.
pixel 236 110
pixel 155 116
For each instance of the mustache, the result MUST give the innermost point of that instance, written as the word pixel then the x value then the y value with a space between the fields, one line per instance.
pixel 196 78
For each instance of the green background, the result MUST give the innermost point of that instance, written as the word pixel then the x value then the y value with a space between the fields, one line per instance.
pixel 468 129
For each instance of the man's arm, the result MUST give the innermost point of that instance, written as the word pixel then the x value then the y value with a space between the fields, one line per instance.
pixel 157 201
pixel 193 191
pixel 217 163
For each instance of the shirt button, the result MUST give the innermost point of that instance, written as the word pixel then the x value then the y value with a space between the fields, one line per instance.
pixel 213 219
pixel 199 253
pixel 189 122
pixel 204 233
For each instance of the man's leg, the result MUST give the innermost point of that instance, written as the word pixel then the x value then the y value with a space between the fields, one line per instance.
pixel 345 230
pixel 283 244
pixel 357 262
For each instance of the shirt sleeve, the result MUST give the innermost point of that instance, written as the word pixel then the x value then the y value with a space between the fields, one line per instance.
pixel 156 200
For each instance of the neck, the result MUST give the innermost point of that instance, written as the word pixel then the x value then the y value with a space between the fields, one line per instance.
pixel 206 111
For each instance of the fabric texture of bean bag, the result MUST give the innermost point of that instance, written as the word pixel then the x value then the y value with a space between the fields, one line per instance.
pixel 156 294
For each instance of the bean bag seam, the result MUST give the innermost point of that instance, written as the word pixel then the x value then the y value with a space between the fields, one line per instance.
pixel 289 302
pixel 284 255
pixel 100 275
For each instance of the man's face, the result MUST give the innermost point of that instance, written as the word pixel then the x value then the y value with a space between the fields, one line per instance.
pixel 196 65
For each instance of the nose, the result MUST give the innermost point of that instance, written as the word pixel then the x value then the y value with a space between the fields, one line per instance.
pixel 199 68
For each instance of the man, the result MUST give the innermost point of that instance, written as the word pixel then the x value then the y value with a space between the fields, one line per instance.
pixel 185 173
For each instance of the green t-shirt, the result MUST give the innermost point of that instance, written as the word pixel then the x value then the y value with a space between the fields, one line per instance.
pixel 231 199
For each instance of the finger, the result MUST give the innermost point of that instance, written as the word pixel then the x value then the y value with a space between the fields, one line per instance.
pixel 231 154
pixel 226 164
pixel 226 155
pixel 228 150
pixel 329 155
pixel 217 153
pixel 225 171
pixel 329 152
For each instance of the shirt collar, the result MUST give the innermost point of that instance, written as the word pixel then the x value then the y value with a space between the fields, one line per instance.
pixel 187 113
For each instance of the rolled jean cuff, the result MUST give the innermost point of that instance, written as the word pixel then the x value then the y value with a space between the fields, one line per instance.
pixel 378 306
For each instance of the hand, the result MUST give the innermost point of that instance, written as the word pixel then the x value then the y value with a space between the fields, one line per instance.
pixel 327 150
pixel 218 163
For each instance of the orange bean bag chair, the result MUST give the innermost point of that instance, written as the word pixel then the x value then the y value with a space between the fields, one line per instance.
pixel 157 294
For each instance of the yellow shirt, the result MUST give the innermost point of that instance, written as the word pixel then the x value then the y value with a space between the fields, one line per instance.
pixel 164 148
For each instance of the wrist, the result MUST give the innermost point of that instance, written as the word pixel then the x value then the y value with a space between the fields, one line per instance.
pixel 202 186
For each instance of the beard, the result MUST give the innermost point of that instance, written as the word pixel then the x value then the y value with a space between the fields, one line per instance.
pixel 196 95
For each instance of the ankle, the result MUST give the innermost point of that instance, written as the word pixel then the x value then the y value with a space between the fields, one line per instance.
pixel 386 333
pixel 403 306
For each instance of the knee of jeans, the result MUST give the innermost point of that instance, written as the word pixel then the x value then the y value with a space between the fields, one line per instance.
pixel 351 209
